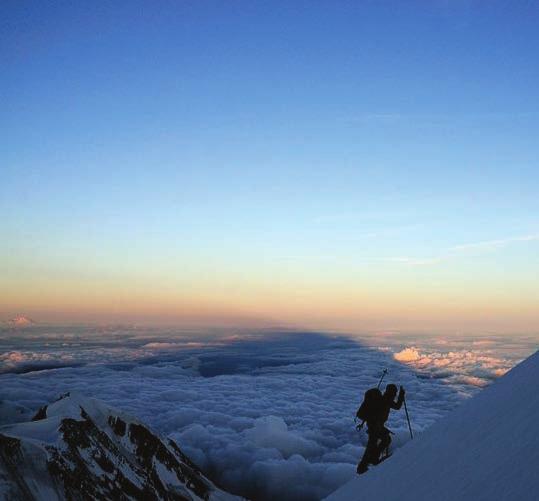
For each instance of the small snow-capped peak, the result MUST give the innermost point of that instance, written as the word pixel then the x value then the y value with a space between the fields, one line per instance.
pixel 77 406
pixel 21 321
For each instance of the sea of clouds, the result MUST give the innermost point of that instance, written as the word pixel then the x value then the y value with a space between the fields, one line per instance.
pixel 267 414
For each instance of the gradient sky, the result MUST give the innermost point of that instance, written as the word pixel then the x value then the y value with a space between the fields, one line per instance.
pixel 343 165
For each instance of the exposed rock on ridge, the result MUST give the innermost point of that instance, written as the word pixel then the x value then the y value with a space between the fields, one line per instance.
pixel 79 448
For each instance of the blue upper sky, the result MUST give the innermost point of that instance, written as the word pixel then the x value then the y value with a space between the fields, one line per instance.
pixel 241 137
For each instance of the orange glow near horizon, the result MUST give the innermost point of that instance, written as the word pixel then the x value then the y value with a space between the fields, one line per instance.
pixel 331 306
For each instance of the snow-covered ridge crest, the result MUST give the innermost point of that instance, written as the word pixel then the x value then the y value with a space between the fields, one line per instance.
pixel 487 449
pixel 80 448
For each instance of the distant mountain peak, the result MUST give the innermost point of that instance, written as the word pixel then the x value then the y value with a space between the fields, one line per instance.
pixel 80 448
pixel 21 321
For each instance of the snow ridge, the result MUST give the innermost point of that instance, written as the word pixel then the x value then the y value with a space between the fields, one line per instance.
pixel 80 448
pixel 487 449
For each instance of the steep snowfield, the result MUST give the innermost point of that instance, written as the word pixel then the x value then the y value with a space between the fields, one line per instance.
pixel 488 449
pixel 79 447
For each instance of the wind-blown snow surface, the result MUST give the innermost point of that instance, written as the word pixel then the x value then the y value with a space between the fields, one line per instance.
pixel 269 415
pixel 487 449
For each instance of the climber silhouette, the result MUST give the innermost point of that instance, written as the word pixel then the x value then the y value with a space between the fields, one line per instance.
pixel 375 411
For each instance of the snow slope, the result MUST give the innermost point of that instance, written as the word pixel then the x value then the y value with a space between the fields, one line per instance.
pixel 488 449
pixel 80 448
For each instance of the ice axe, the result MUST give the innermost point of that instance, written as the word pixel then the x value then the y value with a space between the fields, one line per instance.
pixel 408 419
pixel 381 379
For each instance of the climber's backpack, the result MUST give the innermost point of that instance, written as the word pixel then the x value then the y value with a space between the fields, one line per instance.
pixel 370 406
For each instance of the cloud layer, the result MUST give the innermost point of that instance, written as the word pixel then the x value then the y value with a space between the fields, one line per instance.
pixel 268 415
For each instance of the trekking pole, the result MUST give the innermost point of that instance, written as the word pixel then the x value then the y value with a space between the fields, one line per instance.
pixel 381 379
pixel 408 419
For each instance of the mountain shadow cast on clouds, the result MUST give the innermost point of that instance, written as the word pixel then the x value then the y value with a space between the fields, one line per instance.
pixel 268 415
